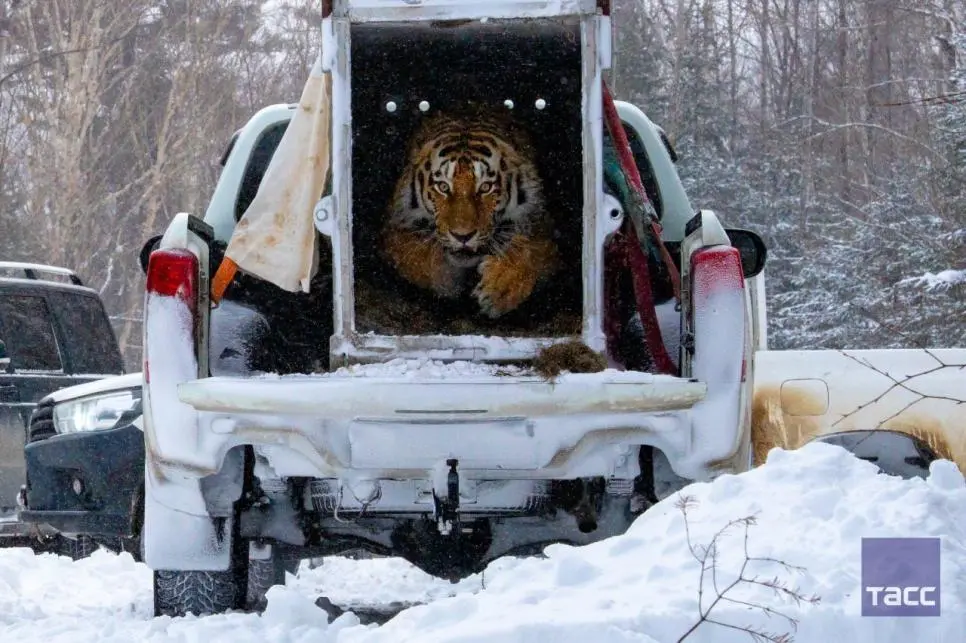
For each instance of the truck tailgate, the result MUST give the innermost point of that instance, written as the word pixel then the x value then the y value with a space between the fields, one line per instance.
pixel 349 397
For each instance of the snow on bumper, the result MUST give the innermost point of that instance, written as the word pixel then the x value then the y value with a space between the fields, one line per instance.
pixel 498 426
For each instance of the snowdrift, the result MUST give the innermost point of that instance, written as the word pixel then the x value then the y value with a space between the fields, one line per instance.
pixel 812 507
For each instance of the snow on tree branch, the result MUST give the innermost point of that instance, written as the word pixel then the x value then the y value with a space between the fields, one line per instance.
pixel 940 281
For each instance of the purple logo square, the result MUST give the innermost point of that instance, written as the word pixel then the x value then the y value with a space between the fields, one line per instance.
pixel 900 577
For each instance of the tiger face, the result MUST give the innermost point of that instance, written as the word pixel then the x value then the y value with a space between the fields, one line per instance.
pixel 470 185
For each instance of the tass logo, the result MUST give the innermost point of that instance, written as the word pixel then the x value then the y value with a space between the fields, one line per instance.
pixel 900 577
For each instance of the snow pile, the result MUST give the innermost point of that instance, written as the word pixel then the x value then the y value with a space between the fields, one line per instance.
pixel 813 506
pixel 379 581
pixel 51 598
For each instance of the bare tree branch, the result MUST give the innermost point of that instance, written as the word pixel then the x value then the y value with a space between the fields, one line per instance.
pixel 707 558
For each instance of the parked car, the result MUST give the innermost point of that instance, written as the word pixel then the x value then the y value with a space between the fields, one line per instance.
pixel 85 465
pixel 54 333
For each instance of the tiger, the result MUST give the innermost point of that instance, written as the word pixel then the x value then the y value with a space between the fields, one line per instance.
pixel 468 213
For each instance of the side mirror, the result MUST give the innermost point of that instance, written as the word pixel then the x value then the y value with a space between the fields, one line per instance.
pixel 147 249
pixel 752 249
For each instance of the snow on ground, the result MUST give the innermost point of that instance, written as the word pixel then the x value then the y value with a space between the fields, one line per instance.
pixel 813 506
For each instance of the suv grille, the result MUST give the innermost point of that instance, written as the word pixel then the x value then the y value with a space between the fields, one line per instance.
pixel 41 423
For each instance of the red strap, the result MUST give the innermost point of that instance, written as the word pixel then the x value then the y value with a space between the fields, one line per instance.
pixel 630 247
pixel 640 274
pixel 623 148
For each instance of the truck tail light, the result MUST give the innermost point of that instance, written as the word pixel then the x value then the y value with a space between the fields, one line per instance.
pixel 714 269
pixel 718 313
pixel 719 321
pixel 173 273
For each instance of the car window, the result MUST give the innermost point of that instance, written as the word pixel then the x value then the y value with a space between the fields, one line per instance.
pixel 257 165
pixel 643 163
pixel 90 344
pixel 28 333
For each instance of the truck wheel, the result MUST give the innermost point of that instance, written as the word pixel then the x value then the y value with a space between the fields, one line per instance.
pixel 265 574
pixel 202 593
pixel 177 593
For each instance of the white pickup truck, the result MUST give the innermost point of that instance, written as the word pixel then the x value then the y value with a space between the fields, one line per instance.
pixel 280 424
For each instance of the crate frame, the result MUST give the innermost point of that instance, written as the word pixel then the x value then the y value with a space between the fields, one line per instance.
pixel 335 217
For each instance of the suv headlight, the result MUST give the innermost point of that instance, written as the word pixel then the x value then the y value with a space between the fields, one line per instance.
pixel 98 412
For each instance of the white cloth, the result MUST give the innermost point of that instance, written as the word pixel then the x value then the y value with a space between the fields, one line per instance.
pixel 275 239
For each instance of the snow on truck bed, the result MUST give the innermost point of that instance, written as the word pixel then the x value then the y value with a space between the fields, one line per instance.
pixel 813 506
pixel 431 369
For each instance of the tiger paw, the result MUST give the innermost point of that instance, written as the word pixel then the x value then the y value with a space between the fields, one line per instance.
pixel 421 262
pixel 504 285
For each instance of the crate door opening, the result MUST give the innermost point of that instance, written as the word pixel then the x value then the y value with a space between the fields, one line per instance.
pixel 467 178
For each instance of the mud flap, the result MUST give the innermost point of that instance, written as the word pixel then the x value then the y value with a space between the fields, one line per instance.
pixel 173 539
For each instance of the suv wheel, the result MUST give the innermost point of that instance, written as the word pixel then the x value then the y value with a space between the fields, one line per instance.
pixel 75 549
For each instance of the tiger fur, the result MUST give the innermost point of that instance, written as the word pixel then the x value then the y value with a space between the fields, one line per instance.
pixel 468 213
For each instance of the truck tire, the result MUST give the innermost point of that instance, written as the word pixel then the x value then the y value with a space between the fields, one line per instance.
pixel 178 593
pixel 203 593
pixel 265 574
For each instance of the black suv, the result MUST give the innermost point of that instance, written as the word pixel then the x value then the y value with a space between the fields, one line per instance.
pixel 54 333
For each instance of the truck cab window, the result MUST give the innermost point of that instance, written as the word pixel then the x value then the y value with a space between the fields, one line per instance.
pixel 644 167
pixel 257 165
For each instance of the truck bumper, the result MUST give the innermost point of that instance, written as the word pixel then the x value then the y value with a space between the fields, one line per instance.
pixel 85 483
pixel 14 528
pixel 374 427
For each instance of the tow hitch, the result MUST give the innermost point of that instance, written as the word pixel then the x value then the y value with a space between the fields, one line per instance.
pixel 447 508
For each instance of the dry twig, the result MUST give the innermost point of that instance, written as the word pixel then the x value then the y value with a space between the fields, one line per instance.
pixel 707 557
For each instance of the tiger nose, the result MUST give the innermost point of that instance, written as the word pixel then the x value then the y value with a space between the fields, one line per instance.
pixel 463 238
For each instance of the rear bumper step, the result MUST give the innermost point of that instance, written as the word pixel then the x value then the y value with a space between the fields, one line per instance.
pixel 350 397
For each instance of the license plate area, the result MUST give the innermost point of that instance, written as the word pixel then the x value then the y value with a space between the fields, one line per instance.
pixel 410 443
